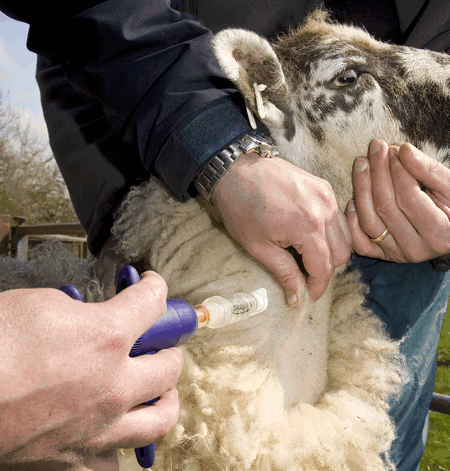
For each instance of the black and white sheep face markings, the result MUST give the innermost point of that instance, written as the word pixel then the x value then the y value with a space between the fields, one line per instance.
pixel 337 82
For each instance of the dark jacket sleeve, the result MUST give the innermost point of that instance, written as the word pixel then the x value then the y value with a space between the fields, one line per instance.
pixel 153 72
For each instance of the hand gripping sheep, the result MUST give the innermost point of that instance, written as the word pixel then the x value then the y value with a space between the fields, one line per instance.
pixel 306 388
pixel 179 323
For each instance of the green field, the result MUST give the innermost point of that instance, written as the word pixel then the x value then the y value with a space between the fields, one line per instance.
pixel 437 452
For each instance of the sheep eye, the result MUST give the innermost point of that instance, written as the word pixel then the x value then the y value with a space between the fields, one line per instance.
pixel 349 77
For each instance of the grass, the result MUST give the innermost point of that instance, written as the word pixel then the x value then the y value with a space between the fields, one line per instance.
pixel 437 451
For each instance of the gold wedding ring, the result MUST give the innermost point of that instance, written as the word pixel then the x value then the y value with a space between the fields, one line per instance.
pixel 381 237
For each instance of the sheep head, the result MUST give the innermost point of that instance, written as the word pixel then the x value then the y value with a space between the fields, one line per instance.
pixel 326 90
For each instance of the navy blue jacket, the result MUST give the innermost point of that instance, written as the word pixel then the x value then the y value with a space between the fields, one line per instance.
pixel 147 73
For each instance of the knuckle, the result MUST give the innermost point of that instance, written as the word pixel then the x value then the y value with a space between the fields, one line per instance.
pixel 363 252
pixel 155 286
pixel 328 271
pixel 168 421
pixel 407 204
pixel 323 269
pixel 165 422
pixel 173 365
pixel 283 278
pixel 315 224
pixel 115 342
pixel 327 195
pixel 113 401
pixel 288 280
pixel 361 249
pixel 441 246
pixel 383 207
pixel 327 189
pixel 414 256
pixel 434 165
pixel 249 245
pixel 343 256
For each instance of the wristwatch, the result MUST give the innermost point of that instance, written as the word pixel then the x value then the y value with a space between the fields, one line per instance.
pixel 206 180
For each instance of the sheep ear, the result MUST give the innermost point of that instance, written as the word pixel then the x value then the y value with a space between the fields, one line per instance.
pixel 252 65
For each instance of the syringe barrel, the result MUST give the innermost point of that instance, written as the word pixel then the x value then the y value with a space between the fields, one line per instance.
pixel 226 310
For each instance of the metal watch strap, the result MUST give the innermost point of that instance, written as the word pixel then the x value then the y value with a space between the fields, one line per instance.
pixel 206 180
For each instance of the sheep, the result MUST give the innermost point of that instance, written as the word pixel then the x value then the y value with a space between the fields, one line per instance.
pixel 293 388
pixel 307 388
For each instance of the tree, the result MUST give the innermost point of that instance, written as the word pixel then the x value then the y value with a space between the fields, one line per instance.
pixel 31 184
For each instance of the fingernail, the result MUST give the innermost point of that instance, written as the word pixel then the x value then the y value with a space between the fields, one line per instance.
pixel 375 146
pixel 351 206
pixel 291 297
pixel 394 161
pixel 360 164
pixel 410 147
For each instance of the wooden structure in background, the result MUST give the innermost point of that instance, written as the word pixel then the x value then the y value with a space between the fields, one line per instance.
pixel 15 241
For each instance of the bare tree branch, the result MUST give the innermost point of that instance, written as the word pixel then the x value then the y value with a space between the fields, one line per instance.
pixel 30 182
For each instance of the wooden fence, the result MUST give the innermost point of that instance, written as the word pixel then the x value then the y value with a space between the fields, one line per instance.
pixel 16 238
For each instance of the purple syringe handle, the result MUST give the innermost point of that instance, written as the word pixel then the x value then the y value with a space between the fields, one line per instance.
pixel 175 327
pixel 71 291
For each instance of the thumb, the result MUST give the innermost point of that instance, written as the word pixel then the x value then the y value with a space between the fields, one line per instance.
pixel 428 171
pixel 283 265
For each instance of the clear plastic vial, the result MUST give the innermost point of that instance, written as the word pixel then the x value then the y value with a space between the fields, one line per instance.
pixel 220 311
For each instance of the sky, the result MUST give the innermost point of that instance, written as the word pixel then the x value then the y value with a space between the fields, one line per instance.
pixel 17 73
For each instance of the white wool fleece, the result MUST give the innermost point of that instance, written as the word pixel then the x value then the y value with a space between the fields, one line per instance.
pixel 290 389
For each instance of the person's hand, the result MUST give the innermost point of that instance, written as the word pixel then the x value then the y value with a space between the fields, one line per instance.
pixel 270 204
pixel 68 387
pixel 407 192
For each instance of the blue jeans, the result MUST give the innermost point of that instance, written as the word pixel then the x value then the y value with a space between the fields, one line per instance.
pixel 411 299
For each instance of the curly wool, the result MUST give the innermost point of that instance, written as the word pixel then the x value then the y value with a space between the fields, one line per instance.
pixel 289 389
pixel 51 264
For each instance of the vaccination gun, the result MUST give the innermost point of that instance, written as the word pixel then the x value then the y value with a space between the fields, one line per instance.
pixel 179 323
